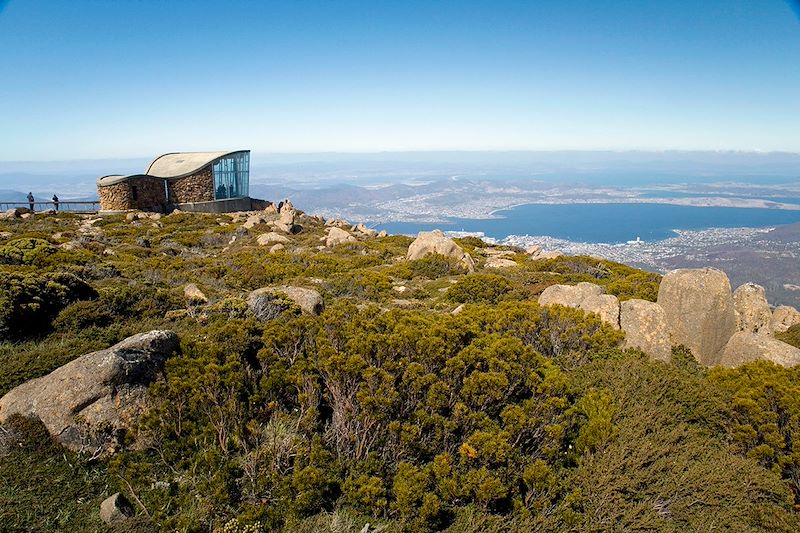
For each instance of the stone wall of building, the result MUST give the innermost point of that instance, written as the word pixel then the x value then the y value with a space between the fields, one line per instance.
pixel 197 187
pixel 144 193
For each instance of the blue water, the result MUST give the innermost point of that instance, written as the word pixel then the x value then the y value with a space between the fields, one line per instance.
pixel 678 194
pixel 607 223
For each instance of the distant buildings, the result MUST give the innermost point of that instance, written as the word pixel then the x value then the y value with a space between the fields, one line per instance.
pixel 215 182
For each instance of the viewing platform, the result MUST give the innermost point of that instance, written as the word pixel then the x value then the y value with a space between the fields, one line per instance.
pixel 82 207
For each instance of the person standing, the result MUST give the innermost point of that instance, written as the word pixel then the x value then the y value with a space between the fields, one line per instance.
pixel 30 200
pixel 55 201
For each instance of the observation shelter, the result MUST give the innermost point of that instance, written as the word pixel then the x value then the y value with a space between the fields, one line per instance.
pixel 211 182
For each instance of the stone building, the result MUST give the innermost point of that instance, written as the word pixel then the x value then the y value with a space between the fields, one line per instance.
pixel 190 181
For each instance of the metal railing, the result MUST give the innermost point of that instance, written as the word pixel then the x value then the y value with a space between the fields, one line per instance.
pixel 69 206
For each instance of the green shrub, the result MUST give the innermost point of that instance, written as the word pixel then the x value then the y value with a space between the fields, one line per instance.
pixel 763 419
pixel 29 302
pixel 479 288
pixel 26 251
pixel 790 336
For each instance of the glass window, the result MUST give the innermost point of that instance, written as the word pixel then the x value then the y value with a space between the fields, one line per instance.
pixel 232 176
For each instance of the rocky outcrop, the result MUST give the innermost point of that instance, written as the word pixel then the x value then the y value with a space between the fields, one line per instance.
pixel 646 329
pixel 286 222
pixel 115 509
pixel 699 307
pixel 337 236
pixel 752 309
pixel 499 262
pixel 588 297
pixel 87 404
pixel 253 221
pixel 308 300
pixel 193 293
pixel 569 295
pixel 606 306
pixel 436 242
pixel 536 253
pixel 784 317
pixel 267 239
pixel 744 347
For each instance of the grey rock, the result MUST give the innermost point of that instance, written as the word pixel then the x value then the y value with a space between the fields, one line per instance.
pixel 338 236
pixel 88 403
pixel 115 509
pixel 308 300
pixel 499 262
pixel 744 347
pixel 646 329
pixel 700 313
pixel 270 238
pixel 606 306
pixel 193 293
pixel 436 242
pixel 253 221
pixel 752 309
pixel 784 317
pixel 569 295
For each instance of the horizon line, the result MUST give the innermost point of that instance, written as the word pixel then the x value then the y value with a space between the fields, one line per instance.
pixel 451 151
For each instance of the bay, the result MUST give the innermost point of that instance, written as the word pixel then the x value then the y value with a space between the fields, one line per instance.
pixel 604 223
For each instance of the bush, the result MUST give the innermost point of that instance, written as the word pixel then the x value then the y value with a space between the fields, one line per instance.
pixel 479 288
pixel 29 302
pixel 790 336
pixel 26 251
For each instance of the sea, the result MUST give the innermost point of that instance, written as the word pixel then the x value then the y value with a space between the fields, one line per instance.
pixel 604 223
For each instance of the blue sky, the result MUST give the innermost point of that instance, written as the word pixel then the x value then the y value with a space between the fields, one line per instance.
pixel 96 79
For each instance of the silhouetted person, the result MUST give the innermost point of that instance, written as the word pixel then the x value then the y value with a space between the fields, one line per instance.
pixel 55 201
pixel 30 200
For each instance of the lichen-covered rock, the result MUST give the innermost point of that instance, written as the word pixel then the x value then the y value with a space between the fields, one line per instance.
pixel 338 236
pixel 365 231
pixel 784 317
pixel 699 308
pixel 646 329
pixel 253 221
pixel 193 293
pixel 88 403
pixel 752 309
pixel 744 347
pixel 499 262
pixel 115 509
pixel 606 306
pixel 267 239
pixel 436 242
pixel 309 300
pixel 569 295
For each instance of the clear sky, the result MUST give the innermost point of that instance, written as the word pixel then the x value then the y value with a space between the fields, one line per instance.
pixel 95 79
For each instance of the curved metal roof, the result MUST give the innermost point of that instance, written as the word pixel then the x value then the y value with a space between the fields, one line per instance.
pixel 179 164
pixel 113 179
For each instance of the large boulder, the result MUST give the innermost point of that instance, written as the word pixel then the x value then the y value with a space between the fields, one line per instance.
pixel 784 317
pixel 646 329
pixel 308 300
pixel 338 236
pixel 752 309
pixel 699 308
pixel 606 306
pixel 436 242
pixel 569 295
pixel 88 403
pixel 746 346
